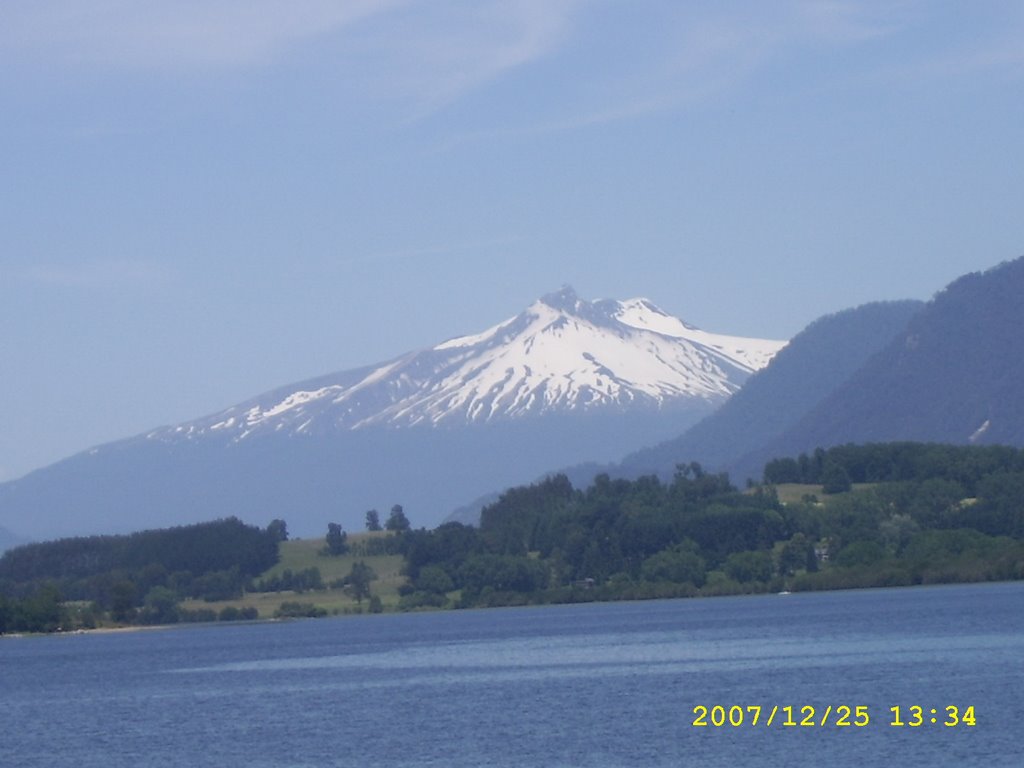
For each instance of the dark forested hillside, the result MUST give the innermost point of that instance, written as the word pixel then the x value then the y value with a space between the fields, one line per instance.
pixel 214 546
pixel 121 574
pixel 954 375
pixel 808 369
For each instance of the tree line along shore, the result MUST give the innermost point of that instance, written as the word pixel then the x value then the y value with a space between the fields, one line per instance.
pixel 891 514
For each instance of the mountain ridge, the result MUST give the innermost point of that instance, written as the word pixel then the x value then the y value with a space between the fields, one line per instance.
pixel 954 375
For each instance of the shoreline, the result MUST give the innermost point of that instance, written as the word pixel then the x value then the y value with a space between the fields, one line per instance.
pixel 82 631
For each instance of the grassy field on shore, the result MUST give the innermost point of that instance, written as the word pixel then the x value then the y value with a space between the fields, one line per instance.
pixel 301 554
pixel 793 493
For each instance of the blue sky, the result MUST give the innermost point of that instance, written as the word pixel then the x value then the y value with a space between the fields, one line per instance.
pixel 203 200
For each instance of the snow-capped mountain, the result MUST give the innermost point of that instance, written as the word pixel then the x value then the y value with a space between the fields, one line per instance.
pixel 561 354
pixel 564 382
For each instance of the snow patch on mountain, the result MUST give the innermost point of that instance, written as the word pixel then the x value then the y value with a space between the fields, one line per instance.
pixel 753 354
pixel 977 434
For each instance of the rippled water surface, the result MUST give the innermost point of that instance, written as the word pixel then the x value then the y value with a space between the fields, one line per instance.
pixel 584 685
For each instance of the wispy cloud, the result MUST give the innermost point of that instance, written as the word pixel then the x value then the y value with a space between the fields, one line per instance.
pixel 109 273
pixel 451 53
pixel 175 35
pixel 698 52
pixel 424 53
pixel 711 50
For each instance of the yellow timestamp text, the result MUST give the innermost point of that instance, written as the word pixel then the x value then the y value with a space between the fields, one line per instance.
pixel 829 715
pixel 916 716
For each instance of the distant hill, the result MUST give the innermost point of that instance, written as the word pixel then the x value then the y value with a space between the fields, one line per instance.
pixel 955 374
pixel 806 372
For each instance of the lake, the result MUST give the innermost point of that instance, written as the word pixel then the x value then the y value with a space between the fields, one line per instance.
pixel 590 685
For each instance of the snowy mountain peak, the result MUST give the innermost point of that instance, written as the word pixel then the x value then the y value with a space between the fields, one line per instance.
pixel 561 354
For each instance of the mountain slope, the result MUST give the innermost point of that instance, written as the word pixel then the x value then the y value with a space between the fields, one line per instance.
pixel 955 374
pixel 564 381
pixel 816 361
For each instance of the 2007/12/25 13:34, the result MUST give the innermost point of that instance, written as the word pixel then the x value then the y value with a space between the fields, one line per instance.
pixel 839 716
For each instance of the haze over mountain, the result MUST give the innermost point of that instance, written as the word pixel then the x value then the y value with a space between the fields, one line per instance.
pixel 565 380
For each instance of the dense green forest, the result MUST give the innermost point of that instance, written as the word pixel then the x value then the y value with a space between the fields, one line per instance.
pixel 136 578
pixel 852 516
pixel 887 514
